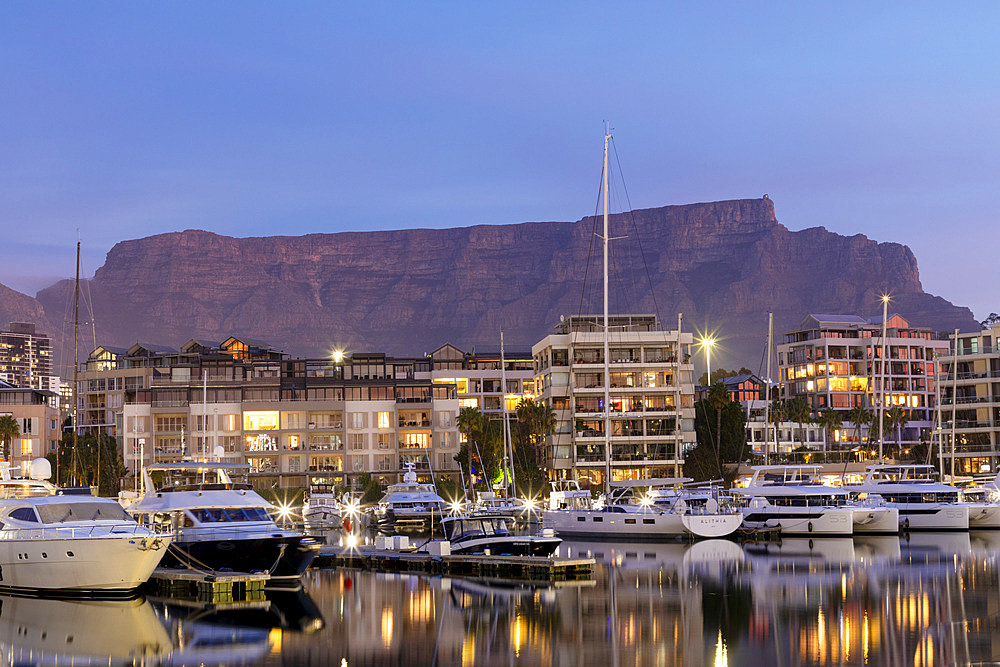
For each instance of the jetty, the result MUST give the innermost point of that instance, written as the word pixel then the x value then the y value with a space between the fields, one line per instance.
pixel 187 584
pixel 529 568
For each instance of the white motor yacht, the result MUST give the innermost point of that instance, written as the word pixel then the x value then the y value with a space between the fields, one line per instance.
pixel 571 512
pixel 218 524
pixel 490 534
pixel 984 504
pixel 791 497
pixel 923 502
pixel 410 503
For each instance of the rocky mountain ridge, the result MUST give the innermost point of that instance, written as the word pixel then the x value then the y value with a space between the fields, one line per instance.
pixel 723 264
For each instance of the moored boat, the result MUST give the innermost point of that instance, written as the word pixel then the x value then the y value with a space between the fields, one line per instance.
pixel 923 502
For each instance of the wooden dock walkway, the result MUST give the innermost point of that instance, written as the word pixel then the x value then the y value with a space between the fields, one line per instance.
pixel 208 587
pixel 532 568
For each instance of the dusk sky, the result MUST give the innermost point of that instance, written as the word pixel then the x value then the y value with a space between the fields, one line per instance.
pixel 123 120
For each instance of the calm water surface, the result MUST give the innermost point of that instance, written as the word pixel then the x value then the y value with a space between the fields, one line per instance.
pixel 930 599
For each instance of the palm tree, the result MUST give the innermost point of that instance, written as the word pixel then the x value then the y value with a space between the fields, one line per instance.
pixel 8 431
pixel 470 424
pixel 859 416
pixel 775 415
pixel 797 410
pixel 831 421
pixel 895 418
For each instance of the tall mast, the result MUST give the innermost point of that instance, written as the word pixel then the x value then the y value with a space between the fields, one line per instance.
pixel 508 447
pixel 76 351
pixel 767 391
pixel 881 380
pixel 954 403
pixel 607 368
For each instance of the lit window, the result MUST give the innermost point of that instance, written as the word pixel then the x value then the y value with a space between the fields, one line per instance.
pixel 383 420
pixel 293 442
pixel 25 446
pixel 260 421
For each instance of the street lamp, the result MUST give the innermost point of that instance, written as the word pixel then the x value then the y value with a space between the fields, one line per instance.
pixel 707 344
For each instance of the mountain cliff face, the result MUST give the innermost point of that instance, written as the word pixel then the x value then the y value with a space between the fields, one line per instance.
pixel 723 264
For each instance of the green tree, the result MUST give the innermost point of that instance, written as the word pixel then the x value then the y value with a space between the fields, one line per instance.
pixel 718 399
pixel 535 421
pixel 372 490
pixel 91 451
pixel 859 416
pixel 470 423
pixel 483 441
pixel 894 421
pixel 8 431
pixel 708 460
pixel 797 410
pixel 831 421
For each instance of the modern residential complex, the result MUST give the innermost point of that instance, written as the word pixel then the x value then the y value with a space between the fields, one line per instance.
pixel 651 396
pixel 970 403
pixel 835 361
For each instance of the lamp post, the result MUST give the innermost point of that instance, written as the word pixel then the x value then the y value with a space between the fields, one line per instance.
pixel 707 344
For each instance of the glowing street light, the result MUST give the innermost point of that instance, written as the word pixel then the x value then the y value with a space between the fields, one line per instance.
pixel 338 356
pixel 707 344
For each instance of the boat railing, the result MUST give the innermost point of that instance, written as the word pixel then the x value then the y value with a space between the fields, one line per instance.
pixel 55 531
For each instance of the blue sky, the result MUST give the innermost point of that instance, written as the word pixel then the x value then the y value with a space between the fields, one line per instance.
pixel 124 120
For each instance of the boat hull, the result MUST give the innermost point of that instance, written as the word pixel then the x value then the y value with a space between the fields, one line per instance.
pixel 831 522
pixel 639 525
pixel 876 520
pixel 923 516
pixel 284 556
pixel 509 546
pixel 984 515
pixel 79 565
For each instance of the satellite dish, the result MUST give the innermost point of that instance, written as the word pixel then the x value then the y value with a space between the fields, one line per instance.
pixel 680 507
pixel 219 451
pixel 40 469
pixel 712 506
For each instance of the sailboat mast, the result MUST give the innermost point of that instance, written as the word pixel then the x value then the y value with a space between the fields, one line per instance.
pixel 767 394
pixel 76 352
pixel 508 447
pixel 607 368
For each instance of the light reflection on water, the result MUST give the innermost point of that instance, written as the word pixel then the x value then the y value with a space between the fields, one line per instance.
pixel 930 599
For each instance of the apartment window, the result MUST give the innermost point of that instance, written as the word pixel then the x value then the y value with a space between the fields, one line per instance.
pixel 384 463
pixel 203 422
pixel 260 421
pixel 230 423
pixel 357 420
pixel 357 440
pixel 25 446
pixel 26 426
pixel 385 440
pixel 444 419
pixel 418 440
pixel 295 420
pixel 358 463
pixel 171 423
pixel 293 442
pixel 294 463
pixel 327 420
pixel 383 420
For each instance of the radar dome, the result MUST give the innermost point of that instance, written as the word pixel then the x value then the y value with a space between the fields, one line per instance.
pixel 220 451
pixel 40 469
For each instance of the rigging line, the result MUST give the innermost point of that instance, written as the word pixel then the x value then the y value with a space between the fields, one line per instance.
pixel 638 238
pixel 593 235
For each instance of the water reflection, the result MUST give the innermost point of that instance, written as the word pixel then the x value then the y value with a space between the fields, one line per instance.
pixel 929 599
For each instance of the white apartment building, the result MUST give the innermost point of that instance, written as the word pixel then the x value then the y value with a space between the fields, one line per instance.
pixel 970 403
pixel 651 397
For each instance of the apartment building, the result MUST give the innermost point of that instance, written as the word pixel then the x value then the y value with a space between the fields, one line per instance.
pixel 970 403
pixel 37 420
pixel 295 421
pixel 26 358
pixel 478 377
pixel 835 361
pixel 651 399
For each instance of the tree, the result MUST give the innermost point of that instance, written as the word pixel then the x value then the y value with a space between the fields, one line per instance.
pixel 895 418
pixel 718 398
pixel 709 460
pixel 91 451
pixel 535 421
pixel 831 421
pixel 990 320
pixel 797 410
pixel 470 425
pixel 859 416
pixel 8 431
pixel 483 440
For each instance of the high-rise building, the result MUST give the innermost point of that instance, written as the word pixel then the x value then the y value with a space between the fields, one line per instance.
pixel 970 403
pixel 26 358
pixel 651 397
pixel 37 422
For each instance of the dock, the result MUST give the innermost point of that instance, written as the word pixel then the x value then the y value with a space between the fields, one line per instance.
pixel 208 586
pixel 529 568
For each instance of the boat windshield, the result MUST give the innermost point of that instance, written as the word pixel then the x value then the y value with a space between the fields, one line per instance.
pixel 81 511
pixel 478 527
pixel 218 514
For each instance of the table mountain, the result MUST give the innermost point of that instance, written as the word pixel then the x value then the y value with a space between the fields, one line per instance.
pixel 723 264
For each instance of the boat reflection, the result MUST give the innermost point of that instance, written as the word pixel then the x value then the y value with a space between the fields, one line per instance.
pixel 47 631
